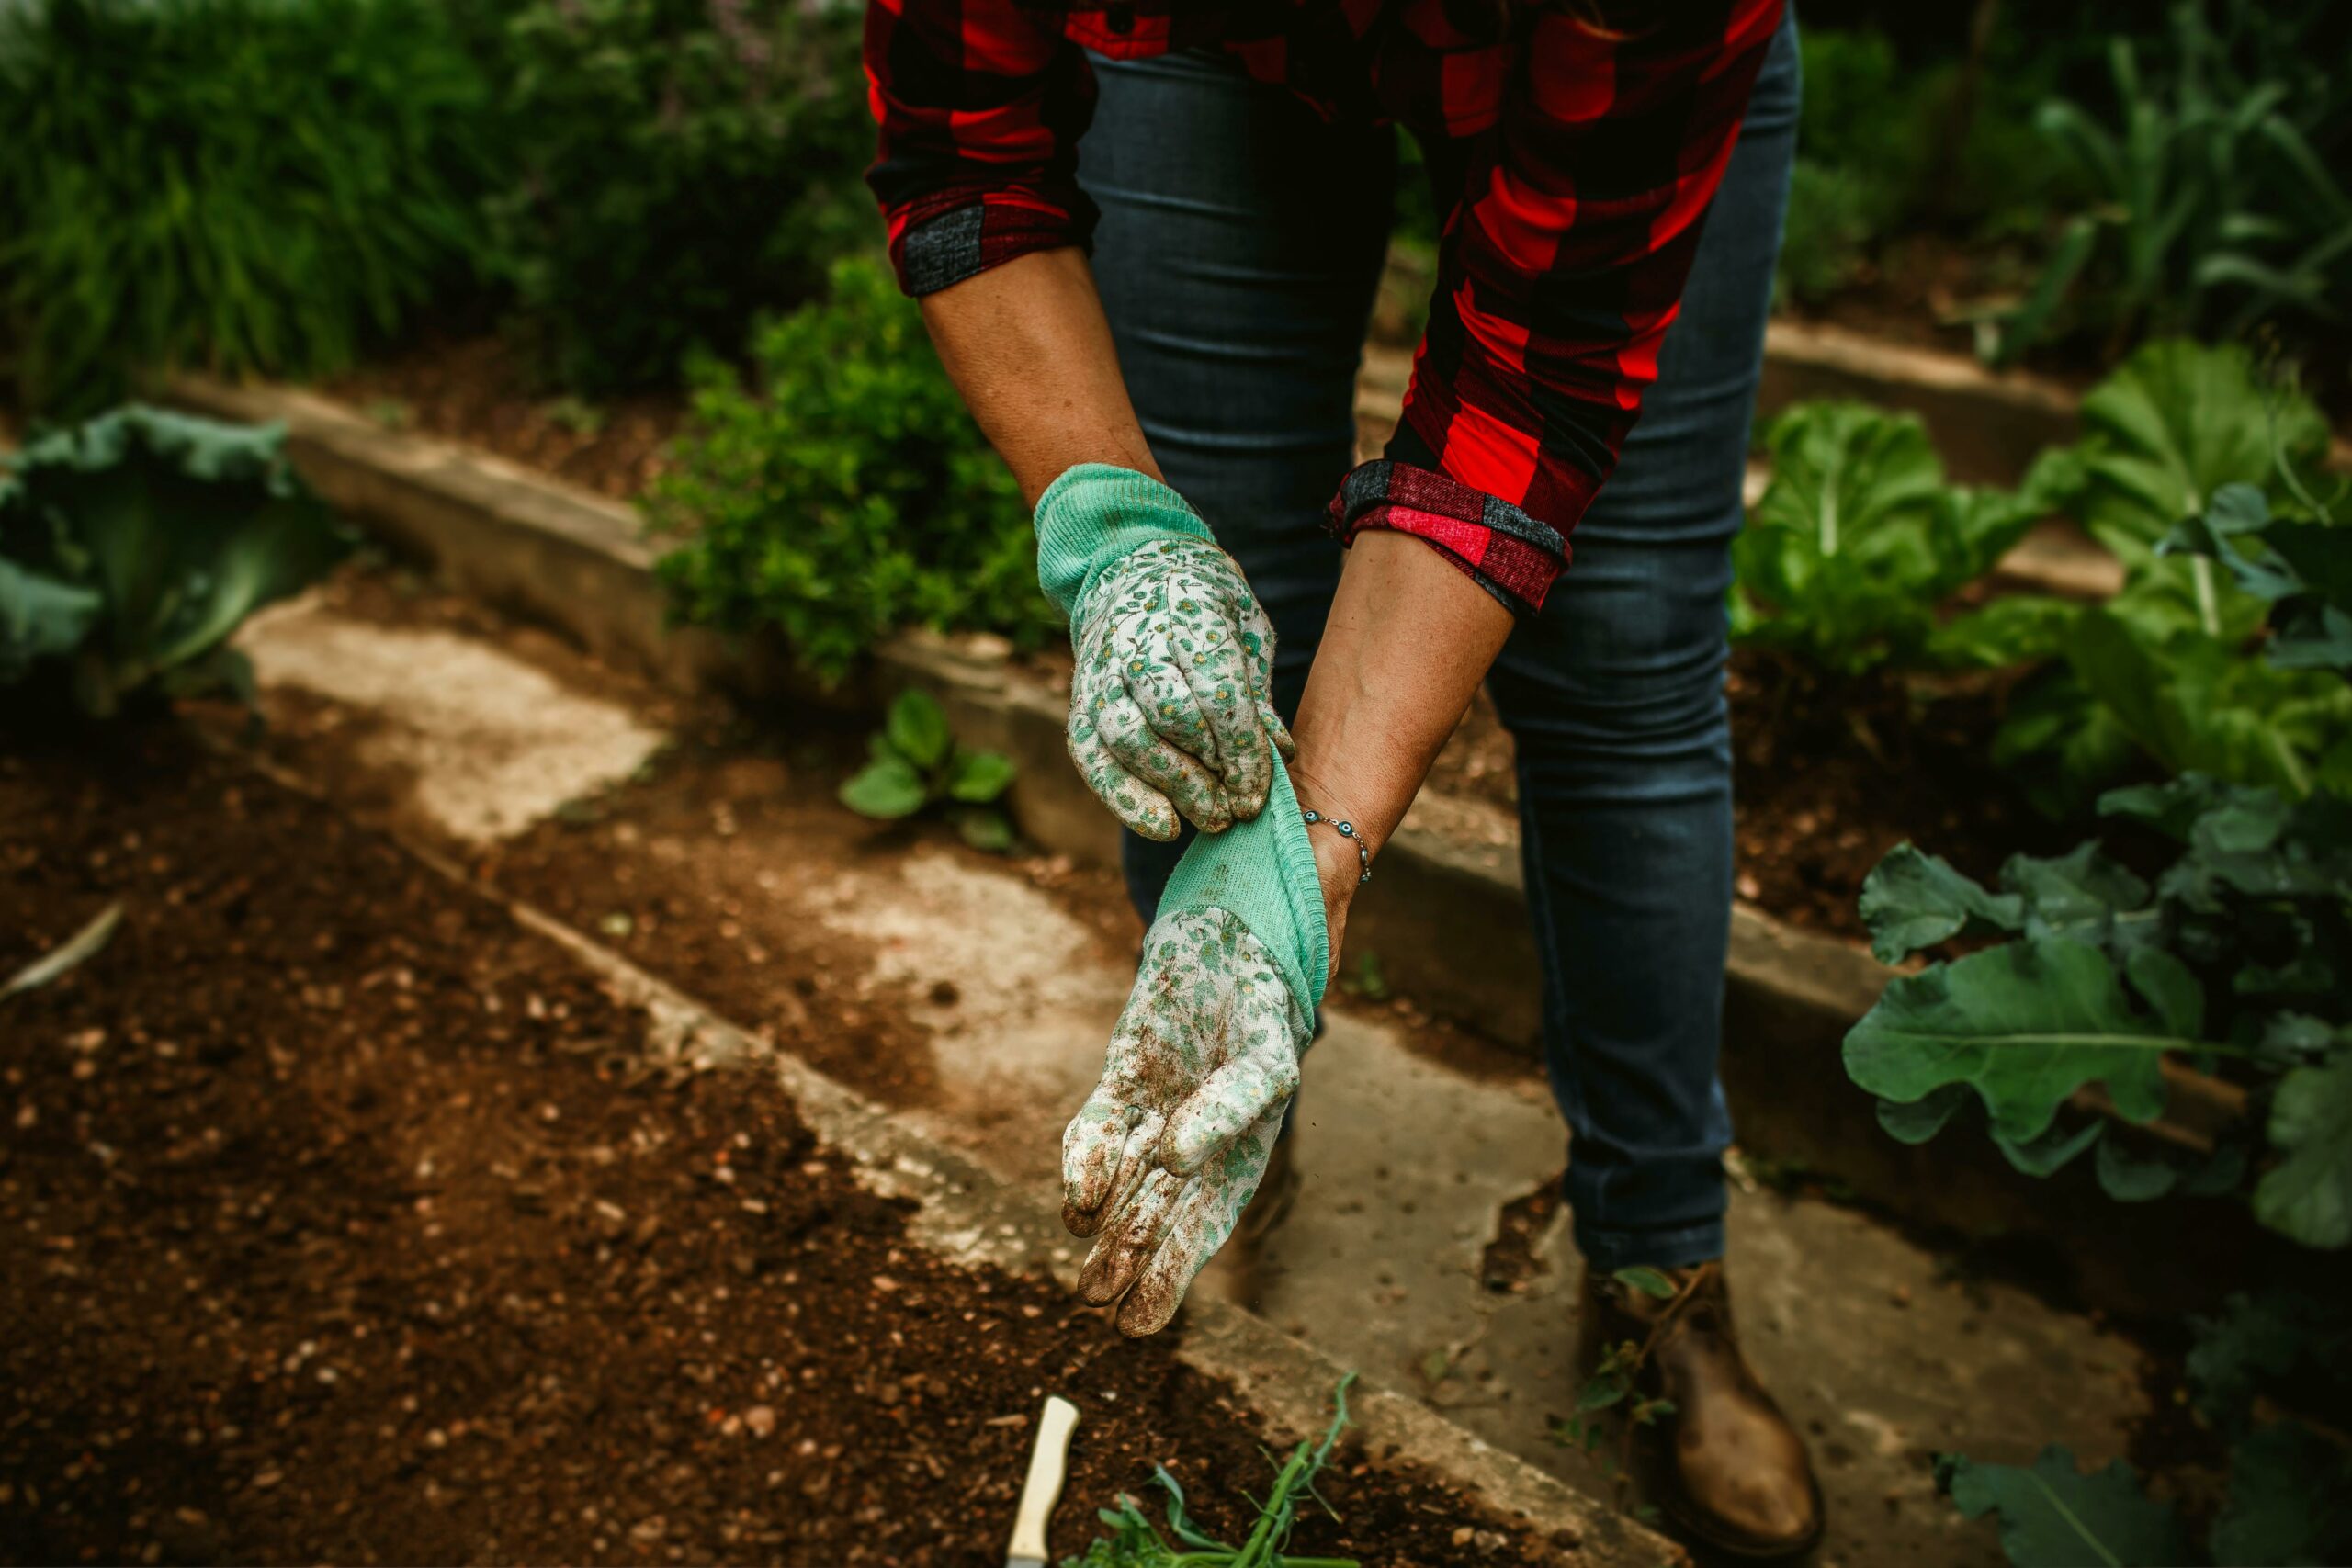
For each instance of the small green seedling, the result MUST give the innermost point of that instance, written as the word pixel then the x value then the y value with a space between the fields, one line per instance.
pixel 917 764
pixel 1610 1387
pixel 1136 1542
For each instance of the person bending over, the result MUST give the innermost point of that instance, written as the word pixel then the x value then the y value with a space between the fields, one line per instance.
pixel 1553 517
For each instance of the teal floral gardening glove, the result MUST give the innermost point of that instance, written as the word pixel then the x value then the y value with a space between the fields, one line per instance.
pixel 1159 1162
pixel 1171 705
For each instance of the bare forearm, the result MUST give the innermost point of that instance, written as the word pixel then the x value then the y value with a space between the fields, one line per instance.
pixel 1027 345
pixel 1408 641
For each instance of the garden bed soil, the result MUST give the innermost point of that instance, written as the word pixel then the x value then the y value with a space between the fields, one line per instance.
pixel 342 1219
pixel 480 390
pixel 1813 807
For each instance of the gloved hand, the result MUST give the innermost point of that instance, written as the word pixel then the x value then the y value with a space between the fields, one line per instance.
pixel 1171 706
pixel 1159 1162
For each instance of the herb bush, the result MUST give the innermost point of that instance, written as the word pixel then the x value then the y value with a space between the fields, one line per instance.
pixel 133 546
pixel 682 166
pixel 845 491
pixel 240 185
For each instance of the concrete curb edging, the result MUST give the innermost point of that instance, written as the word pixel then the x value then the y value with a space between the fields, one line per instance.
pixel 1447 914
pixel 971 1217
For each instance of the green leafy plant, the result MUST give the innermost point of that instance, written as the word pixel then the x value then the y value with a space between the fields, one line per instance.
pixel 1857 541
pixel 2207 206
pixel 2167 430
pixel 846 495
pixel 2174 672
pixel 2239 949
pixel 1609 1392
pixel 2184 449
pixel 2302 570
pixel 237 185
pixel 2236 952
pixel 683 165
pixel 915 762
pixel 133 546
pixel 1135 1542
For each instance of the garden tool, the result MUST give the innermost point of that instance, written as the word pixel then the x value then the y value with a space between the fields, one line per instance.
pixel 1043 1488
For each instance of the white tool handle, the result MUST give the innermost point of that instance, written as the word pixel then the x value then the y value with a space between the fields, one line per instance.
pixel 1043 1489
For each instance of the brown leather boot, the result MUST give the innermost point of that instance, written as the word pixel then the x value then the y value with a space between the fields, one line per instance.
pixel 1724 1465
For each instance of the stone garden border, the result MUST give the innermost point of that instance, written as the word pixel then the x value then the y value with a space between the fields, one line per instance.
pixel 1447 916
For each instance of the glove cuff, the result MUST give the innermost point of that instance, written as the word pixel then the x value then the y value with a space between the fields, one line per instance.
pixel 1263 873
pixel 1094 514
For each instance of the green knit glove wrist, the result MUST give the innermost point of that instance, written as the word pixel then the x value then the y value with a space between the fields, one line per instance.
pixel 1171 709
pixel 1165 1155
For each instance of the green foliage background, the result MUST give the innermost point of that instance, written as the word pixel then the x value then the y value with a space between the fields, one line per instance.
pixel 240 185
pixel 677 166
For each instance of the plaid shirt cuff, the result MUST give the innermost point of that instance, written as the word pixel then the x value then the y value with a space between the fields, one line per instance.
pixel 1505 551
pixel 933 248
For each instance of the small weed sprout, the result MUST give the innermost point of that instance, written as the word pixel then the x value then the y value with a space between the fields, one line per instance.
pixel 917 764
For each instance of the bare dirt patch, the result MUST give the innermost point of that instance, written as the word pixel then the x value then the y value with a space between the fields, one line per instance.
pixel 337 1224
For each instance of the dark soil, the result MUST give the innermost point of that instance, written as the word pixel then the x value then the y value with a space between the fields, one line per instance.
pixel 478 390
pixel 1814 806
pixel 339 1221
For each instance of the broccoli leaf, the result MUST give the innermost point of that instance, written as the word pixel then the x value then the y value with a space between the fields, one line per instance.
pixel 1913 900
pixel 2026 1025
pixel 2290 1499
pixel 2054 1515
pixel 2307 1195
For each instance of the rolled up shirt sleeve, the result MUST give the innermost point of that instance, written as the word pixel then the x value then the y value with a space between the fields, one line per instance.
pixel 1561 270
pixel 980 104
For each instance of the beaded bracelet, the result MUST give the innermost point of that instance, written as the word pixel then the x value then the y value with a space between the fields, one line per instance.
pixel 1347 831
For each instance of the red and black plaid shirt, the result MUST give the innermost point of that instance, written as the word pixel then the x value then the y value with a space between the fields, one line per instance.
pixel 1588 160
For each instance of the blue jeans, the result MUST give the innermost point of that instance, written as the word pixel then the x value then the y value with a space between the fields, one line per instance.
pixel 1240 244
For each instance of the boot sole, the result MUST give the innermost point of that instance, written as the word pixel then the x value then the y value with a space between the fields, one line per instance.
pixel 1689 1521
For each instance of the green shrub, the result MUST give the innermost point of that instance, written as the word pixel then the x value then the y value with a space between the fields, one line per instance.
pixel 848 492
pixel 2205 205
pixel 242 185
pixel 684 166
pixel 133 546
pixel 1825 233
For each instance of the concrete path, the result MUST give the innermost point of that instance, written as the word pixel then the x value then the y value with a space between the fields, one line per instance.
pixel 1410 1159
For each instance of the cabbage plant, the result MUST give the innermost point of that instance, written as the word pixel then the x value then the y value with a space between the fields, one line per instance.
pixel 132 547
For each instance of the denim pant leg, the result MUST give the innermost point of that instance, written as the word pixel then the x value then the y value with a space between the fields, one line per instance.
pixel 1615 697
pixel 1238 252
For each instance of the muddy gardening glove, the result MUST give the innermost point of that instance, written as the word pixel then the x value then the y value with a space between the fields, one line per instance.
pixel 1172 704
pixel 1159 1162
